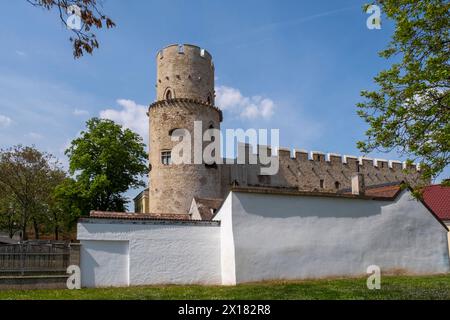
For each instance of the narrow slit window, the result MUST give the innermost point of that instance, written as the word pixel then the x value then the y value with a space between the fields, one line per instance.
pixel 168 95
pixel 321 183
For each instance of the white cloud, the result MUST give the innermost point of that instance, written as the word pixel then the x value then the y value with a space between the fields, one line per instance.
pixel 231 99
pixel 34 135
pixel 20 53
pixel 5 121
pixel 80 112
pixel 132 116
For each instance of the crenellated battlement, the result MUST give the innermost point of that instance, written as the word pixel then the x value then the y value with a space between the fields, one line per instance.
pixel 185 49
pixel 312 170
pixel 331 158
pixel 185 71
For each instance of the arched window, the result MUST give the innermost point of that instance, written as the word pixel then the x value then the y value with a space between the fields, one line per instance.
pixel 168 94
pixel 337 185
pixel 208 99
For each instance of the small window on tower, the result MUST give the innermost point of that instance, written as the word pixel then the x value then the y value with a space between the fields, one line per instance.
pixel 168 95
pixel 321 183
pixel 180 48
pixel 166 158
pixel 337 185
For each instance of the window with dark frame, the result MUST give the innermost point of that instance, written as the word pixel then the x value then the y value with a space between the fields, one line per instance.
pixel 166 158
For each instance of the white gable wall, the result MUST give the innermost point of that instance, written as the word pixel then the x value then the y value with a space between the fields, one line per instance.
pixel 295 237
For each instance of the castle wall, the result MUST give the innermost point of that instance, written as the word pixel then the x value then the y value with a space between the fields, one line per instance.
pixel 187 72
pixel 304 170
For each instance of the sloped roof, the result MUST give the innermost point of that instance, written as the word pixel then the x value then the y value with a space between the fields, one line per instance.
pixel 437 197
pixel 385 191
pixel 382 192
pixel 138 216
pixel 207 207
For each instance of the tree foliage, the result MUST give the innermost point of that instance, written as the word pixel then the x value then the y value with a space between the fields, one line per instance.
pixel 106 160
pixel 84 40
pixel 28 179
pixel 410 112
pixel 9 214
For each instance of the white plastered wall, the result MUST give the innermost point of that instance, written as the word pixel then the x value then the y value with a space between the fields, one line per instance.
pixel 296 237
pixel 156 253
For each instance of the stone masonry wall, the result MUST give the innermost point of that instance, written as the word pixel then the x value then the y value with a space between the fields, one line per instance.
pixel 172 187
pixel 187 71
pixel 305 170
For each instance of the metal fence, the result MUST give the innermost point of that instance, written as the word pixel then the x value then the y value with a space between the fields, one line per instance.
pixel 34 257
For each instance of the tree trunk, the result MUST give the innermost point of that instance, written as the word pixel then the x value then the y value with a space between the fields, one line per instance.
pixel 24 235
pixel 36 229
pixel 56 233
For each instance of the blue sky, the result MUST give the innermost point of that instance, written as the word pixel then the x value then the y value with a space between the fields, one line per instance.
pixel 308 60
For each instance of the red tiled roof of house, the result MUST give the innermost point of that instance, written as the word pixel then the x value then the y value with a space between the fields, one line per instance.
pixel 437 197
pixel 138 216
pixel 383 191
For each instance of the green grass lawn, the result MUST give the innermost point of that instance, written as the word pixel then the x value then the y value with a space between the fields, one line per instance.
pixel 392 287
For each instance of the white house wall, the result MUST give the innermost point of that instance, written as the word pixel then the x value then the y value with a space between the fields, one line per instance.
pixel 157 253
pixel 447 223
pixel 295 237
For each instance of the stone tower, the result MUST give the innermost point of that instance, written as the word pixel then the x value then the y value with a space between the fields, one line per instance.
pixel 184 94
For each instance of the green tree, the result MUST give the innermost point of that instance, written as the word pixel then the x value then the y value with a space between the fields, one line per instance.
pixel 410 112
pixel 106 161
pixel 91 16
pixel 9 216
pixel 28 178
pixel 68 204
pixel 53 214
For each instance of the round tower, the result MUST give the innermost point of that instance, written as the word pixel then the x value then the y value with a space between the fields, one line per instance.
pixel 185 95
